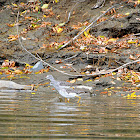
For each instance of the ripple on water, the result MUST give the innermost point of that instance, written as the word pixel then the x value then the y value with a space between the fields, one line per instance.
pixel 23 115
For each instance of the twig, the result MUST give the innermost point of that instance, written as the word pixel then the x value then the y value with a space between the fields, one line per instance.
pixel 107 72
pixel 72 57
pixel 99 4
pixel 71 12
pixel 39 57
pixel 89 26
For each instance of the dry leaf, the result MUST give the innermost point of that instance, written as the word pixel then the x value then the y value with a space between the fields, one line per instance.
pixel 132 57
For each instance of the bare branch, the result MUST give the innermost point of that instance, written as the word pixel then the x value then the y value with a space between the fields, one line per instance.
pixel 38 58
pixel 89 26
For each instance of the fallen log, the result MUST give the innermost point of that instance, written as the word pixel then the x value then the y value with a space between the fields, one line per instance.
pixel 12 85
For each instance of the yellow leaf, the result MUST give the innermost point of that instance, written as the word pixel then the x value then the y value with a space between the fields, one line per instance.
pixel 24 77
pixel 127 14
pixel 59 30
pixel 11 25
pixel 112 87
pixel 46 70
pixel 73 81
pixel 3 78
pixel 86 33
pixel 113 73
pixel 12 37
pixel 37 72
pixel 61 24
pixel 11 76
pixel 45 6
pixel 44 16
pixel 18 72
pixel 83 47
pixel 101 36
pixel 22 3
pixel 132 41
pixel 15 5
pixel 133 94
pixel 89 80
pixel 33 93
pixel 36 8
pixel 56 1
pixel 27 65
pixel 112 40
pixel 80 79
pixel 128 96
pixel 0 73
pixel 23 12
pixel 119 79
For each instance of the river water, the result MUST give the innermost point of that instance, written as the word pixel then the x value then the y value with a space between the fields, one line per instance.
pixel 43 116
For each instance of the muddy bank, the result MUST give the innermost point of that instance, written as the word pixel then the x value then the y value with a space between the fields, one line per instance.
pixel 39 35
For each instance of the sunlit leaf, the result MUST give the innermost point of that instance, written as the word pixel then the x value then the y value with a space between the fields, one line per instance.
pixel 46 70
pixel 61 24
pixel 24 77
pixel 23 12
pixel 119 79
pixel 59 30
pixel 44 16
pixel 86 33
pixel 73 81
pixel 104 92
pixel 15 5
pixel 112 40
pixel 36 8
pixel 18 72
pixel 112 87
pixel 13 37
pixel 56 1
pixel 101 36
pixel 113 73
pixel 11 25
pixel 45 6
pixel 133 95
pixel 89 80
pixel 132 41
pixel 83 47
pixel 127 14
pixel 5 68
pixel 11 77
pixel 58 61
pixel 79 79
pixel 27 65
pixel 132 57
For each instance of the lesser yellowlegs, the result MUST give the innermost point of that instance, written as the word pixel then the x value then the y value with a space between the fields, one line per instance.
pixel 64 84
pixel 68 92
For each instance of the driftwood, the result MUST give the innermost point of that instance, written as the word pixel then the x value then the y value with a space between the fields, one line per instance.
pixel 12 85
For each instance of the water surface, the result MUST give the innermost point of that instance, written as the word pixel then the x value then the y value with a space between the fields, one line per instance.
pixel 43 116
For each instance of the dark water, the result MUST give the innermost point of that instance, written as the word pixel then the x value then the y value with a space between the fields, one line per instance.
pixel 43 116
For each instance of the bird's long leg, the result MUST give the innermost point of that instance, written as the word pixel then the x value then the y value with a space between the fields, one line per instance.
pixel 79 98
pixel 65 100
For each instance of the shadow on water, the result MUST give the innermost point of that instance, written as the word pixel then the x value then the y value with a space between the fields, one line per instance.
pixel 42 115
